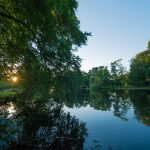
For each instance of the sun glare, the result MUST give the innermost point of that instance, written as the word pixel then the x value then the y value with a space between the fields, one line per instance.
pixel 14 79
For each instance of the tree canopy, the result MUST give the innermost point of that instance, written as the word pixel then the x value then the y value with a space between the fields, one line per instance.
pixel 140 68
pixel 39 34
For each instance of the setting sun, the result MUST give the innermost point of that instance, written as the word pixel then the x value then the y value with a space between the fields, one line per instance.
pixel 14 79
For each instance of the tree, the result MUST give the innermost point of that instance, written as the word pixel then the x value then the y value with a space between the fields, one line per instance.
pixel 119 75
pixel 140 69
pixel 38 36
pixel 99 77
pixel 70 86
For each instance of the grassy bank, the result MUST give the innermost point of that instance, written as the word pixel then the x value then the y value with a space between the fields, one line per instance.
pixel 7 94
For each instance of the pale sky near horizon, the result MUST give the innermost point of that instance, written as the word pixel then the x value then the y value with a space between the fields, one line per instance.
pixel 120 29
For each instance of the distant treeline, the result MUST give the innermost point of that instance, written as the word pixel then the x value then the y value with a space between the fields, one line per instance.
pixel 138 76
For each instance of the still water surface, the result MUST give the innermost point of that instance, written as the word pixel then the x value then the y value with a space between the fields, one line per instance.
pixel 116 121
pixel 97 120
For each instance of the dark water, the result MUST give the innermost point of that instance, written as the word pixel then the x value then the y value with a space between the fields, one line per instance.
pixel 96 120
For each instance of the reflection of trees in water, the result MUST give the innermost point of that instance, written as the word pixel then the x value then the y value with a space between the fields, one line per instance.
pixel 141 104
pixel 39 125
pixel 121 107
pixel 117 101
pixel 120 104
pixel 100 101
pixel 46 126
pixel 80 99
pixel 121 101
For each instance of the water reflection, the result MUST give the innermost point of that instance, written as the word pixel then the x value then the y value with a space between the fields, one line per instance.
pixel 119 102
pixel 141 105
pixel 100 100
pixel 41 126
pixel 80 99
pixel 37 124
pixel 111 119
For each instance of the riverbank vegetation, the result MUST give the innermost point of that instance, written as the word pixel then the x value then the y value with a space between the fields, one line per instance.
pixel 38 41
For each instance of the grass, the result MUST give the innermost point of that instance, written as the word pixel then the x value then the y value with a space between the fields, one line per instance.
pixel 7 94
pixel 7 91
pixel 7 97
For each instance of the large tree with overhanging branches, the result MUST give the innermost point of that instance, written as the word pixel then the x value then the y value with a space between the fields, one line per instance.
pixel 39 37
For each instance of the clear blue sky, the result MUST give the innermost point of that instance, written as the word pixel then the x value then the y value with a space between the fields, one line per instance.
pixel 120 29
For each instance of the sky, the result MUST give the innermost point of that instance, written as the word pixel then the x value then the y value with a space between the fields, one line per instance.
pixel 120 29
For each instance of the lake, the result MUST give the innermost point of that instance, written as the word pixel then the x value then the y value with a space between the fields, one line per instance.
pixel 117 120
pixel 105 120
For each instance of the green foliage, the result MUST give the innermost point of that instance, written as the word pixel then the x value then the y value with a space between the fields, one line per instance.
pixel 7 94
pixel 38 37
pixel 140 69
pixel 99 77
pixel 119 75
pixel 70 84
